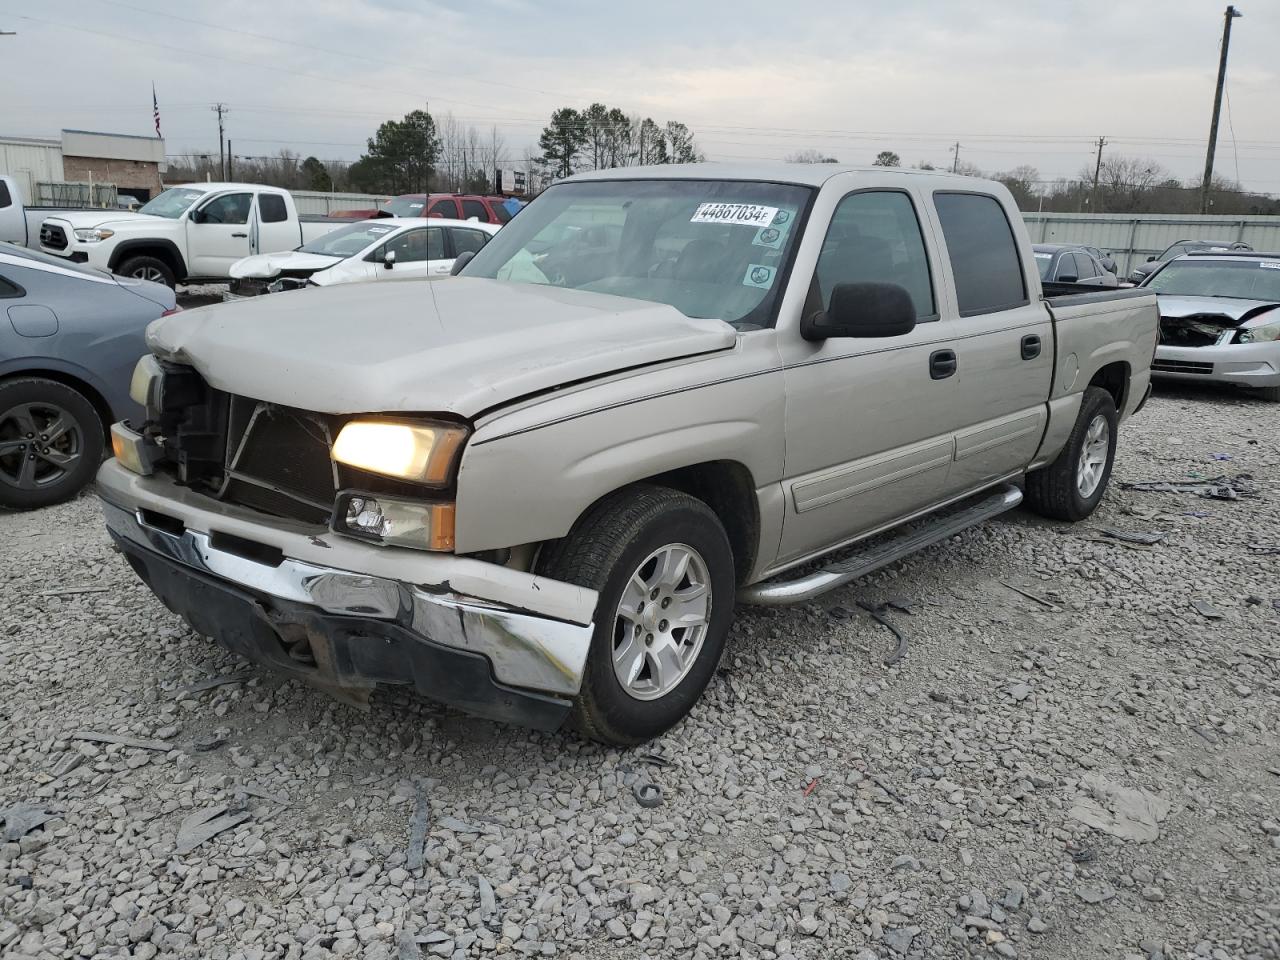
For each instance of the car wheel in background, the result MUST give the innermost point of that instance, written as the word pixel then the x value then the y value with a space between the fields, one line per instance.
pixel 665 574
pixel 1072 486
pixel 147 268
pixel 51 442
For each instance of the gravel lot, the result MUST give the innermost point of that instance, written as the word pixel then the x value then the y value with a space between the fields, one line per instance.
pixel 817 804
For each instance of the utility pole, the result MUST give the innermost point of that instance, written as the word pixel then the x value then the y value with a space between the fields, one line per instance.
pixel 220 109
pixel 231 162
pixel 1097 170
pixel 955 164
pixel 1230 15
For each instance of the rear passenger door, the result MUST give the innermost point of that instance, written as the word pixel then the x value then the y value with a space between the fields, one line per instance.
pixel 868 429
pixel 1003 340
pixel 448 209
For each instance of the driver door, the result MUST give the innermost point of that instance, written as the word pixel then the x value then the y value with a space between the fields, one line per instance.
pixel 218 234
pixel 414 250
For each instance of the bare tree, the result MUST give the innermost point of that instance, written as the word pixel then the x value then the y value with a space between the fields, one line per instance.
pixel 809 156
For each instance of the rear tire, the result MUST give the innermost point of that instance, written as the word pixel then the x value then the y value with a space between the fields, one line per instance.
pixel 148 268
pixel 51 442
pixel 1072 486
pixel 655 555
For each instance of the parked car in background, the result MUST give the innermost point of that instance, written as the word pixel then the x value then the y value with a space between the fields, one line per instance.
pixel 19 221
pixel 126 201
pixel 68 346
pixel 1104 257
pixel 386 249
pixel 1068 263
pixel 189 233
pixel 536 493
pixel 1220 319
pixel 1144 270
pixel 447 206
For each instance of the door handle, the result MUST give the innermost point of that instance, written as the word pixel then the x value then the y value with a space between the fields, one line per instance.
pixel 1030 347
pixel 240 235
pixel 942 364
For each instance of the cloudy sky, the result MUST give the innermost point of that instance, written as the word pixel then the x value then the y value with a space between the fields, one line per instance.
pixel 1015 81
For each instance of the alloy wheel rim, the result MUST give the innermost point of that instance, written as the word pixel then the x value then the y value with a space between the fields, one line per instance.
pixel 1093 456
pixel 662 621
pixel 40 443
pixel 149 273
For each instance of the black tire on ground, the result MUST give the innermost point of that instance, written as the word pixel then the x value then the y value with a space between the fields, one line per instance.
pixel 64 450
pixel 607 546
pixel 1054 491
pixel 147 268
pixel 1270 394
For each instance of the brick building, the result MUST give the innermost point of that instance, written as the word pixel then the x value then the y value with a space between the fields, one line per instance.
pixel 133 164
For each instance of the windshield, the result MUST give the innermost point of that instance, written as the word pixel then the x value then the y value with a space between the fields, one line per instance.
pixel 173 203
pixel 1238 279
pixel 1043 262
pixel 348 241
pixel 709 248
pixel 404 206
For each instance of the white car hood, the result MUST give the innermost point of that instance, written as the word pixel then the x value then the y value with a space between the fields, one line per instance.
pixel 115 219
pixel 267 265
pixel 457 345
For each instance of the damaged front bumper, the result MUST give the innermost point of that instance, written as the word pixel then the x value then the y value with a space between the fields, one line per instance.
pixel 347 616
pixel 1244 364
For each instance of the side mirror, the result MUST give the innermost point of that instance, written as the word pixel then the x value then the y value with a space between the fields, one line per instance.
pixel 862 310
pixel 195 216
pixel 461 261
pixel 389 259
pixel 1068 278
pixel 1151 259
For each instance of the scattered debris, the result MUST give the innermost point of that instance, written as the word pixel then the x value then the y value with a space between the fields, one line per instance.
pixel 418 829
pixel 74 591
pixel 1222 456
pixel 889 790
pixel 488 903
pixel 654 759
pixel 809 787
pixel 212 682
pixel 1083 855
pixel 457 826
pixel 1144 539
pixel 206 824
pixel 840 613
pixel 1217 488
pixel 1129 813
pixel 648 794
pixel 122 741
pixel 1265 549
pixel 909 607
pixel 263 795
pixel 1207 609
pixel 22 818
pixel 1096 892
pixel 939 696
pixel 877 614
pixel 1051 607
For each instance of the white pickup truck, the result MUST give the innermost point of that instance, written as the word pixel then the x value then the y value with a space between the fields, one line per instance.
pixel 20 223
pixel 189 233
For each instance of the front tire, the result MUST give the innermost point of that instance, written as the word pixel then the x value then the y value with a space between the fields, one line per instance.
pixel 148 268
pixel 1072 486
pixel 51 442
pixel 664 569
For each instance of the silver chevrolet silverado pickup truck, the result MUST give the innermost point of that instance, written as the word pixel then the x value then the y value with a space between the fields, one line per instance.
pixel 537 490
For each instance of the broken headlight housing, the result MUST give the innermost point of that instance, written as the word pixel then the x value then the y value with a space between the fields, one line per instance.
pixel 1267 333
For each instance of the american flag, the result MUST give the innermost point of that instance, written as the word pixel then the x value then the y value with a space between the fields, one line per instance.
pixel 155 108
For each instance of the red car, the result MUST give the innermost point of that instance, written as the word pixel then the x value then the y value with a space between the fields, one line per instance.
pixel 450 206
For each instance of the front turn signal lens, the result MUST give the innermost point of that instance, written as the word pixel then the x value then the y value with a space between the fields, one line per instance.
pixel 420 452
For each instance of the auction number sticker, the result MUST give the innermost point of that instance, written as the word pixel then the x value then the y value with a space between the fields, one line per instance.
pixel 1269 264
pixel 745 214
pixel 377 230
pixel 758 275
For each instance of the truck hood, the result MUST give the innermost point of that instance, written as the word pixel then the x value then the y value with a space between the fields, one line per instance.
pixel 1225 310
pixel 115 219
pixel 458 345
pixel 266 265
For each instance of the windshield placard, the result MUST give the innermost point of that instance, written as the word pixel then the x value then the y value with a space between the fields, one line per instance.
pixel 743 214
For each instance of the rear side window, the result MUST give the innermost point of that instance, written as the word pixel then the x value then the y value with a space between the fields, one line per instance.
pixel 474 208
pixel 444 208
pixel 5 199
pixel 984 257
pixel 271 208
pixel 501 212
pixel 464 240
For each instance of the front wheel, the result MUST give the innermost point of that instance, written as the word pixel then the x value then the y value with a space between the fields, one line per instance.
pixel 1072 486
pixel 148 268
pixel 664 570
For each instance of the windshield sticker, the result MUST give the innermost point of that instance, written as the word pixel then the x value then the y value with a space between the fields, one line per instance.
pixel 1269 264
pixel 745 214
pixel 769 237
pixel 1044 256
pixel 760 276
pixel 415 206
pixel 377 230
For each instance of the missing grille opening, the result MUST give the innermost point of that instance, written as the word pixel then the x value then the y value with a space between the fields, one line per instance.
pixel 249 549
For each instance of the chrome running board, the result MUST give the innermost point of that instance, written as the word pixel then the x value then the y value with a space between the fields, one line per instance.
pixel 944 524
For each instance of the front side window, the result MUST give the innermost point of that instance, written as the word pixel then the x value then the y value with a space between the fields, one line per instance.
pixel 468 240
pixel 272 209
pixel 230 208
pixel 172 203
pixel 1238 279
pixel 474 208
pixel 444 208
pixel 709 248
pixel 501 212
pixel 875 237
pixel 414 246
pixel 984 257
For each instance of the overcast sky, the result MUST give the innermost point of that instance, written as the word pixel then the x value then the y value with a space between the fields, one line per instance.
pixel 1015 81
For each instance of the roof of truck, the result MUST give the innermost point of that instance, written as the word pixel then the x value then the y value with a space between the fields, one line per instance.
pixel 807 174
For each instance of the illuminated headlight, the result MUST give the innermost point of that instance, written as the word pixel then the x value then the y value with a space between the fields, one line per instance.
pixel 94 234
pixel 1267 333
pixel 420 452
pixel 395 522
pixel 144 388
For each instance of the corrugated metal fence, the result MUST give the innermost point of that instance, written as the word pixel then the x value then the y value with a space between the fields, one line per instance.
pixel 1134 237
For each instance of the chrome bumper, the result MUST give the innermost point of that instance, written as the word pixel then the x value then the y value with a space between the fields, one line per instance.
pixel 536 637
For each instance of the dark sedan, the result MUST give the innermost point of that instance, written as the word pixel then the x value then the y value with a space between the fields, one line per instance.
pixel 70 337
pixel 1144 270
pixel 1068 263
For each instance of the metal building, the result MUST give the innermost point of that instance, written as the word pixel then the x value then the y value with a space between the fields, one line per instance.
pixel 132 165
